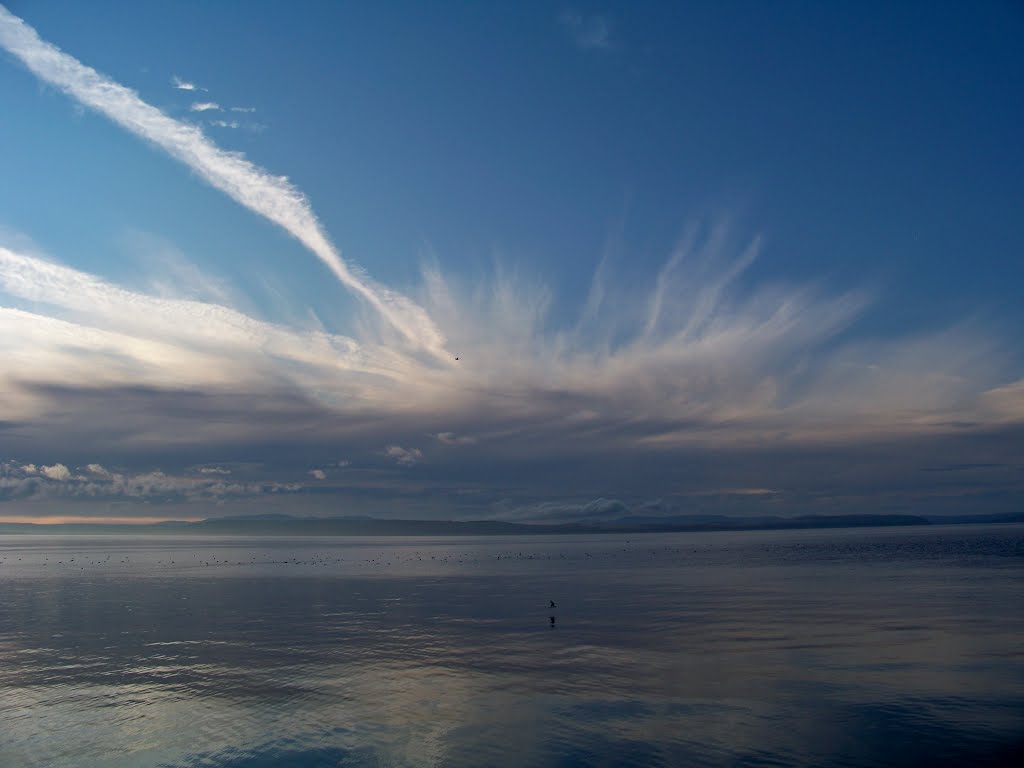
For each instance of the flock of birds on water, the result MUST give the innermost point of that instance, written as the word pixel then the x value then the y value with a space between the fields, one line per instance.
pixel 396 556
pixel 86 563
pixel 106 563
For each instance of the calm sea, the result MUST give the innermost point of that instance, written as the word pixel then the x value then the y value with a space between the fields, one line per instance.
pixel 868 647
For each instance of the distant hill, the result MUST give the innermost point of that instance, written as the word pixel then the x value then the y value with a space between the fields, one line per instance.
pixel 287 525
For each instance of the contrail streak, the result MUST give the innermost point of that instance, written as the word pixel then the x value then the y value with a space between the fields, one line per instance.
pixel 270 196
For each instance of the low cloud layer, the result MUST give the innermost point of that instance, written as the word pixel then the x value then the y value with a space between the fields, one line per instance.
pixel 23 482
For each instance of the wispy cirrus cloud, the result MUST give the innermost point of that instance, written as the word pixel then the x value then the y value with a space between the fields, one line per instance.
pixel 716 365
pixel 697 361
pixel 205 106
pixel 272 197
pixel 694 351
pixel 450 438
pixel 159 341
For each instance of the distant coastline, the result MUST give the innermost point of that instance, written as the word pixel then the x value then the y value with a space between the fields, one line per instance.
pixel 284 525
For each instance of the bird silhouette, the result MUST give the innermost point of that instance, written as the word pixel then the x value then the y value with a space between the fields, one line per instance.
pixel 552 603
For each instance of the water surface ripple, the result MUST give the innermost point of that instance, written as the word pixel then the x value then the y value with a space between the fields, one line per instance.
pixel 828 648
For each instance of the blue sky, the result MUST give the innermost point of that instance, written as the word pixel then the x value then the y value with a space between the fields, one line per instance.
pixel 706 258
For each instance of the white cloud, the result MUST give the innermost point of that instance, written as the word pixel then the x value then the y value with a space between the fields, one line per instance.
pixel 184 85
pixel 318 474
pixel 272 197
pixel 152 336
pixel 56 472
pixel 711 366
pixel 204 106
pixel 214 471
pixel 691 360
pixel 404 456
pixel 19 481
pixel 225 123
pixel 243 109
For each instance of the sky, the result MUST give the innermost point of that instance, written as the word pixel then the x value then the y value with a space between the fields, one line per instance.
pixel 527 261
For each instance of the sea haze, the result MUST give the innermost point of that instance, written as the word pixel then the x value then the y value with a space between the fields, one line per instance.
pixel 859 647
